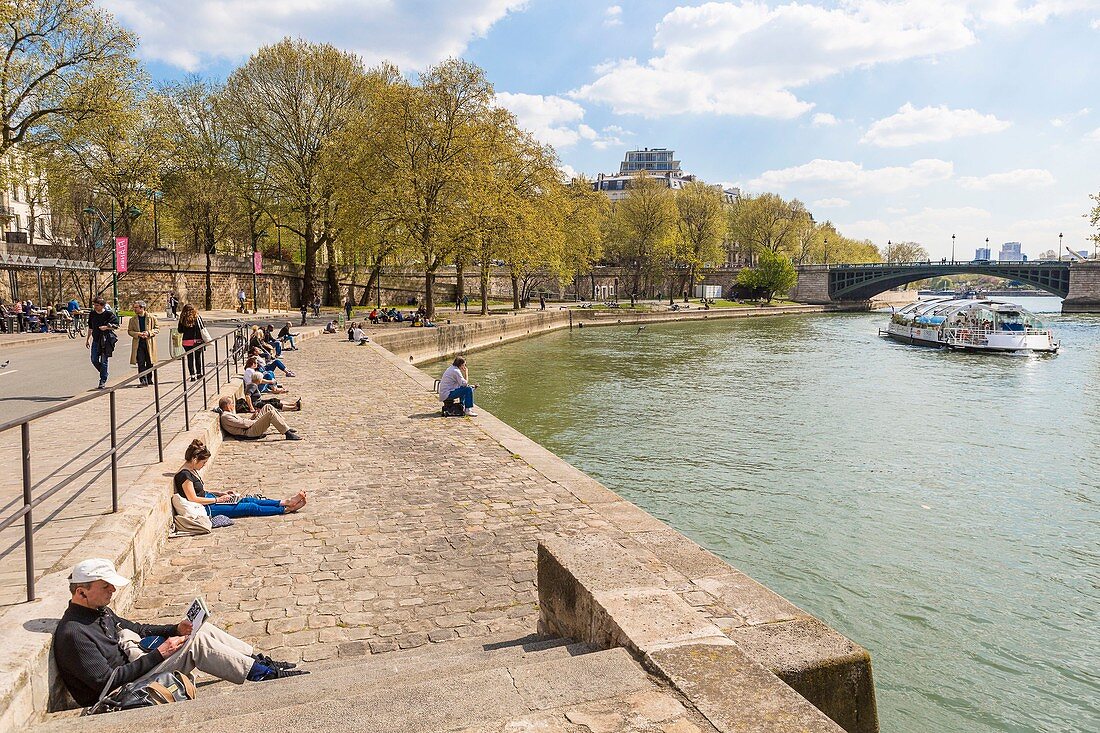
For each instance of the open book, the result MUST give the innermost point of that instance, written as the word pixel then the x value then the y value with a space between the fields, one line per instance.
pixel 197 613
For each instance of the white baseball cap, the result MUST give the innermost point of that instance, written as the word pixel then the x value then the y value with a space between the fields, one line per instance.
pixel 97 569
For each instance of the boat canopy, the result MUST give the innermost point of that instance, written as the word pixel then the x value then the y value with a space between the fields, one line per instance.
pixel 990 314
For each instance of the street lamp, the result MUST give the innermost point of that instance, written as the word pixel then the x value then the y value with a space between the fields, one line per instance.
pixel 889 251
pixel 133 212
pixel 255 292
pixel 826 250
pixel 952 248
pixel 987 247
pixel 1059 246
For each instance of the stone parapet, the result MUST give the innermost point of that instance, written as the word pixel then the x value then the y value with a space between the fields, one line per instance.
pixel 1084 288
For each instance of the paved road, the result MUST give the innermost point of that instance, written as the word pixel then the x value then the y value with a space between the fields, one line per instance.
pixel 43 374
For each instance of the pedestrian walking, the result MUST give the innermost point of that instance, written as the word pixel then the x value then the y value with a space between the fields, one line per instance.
pixel 241 299
pixel 542 303
pixel 303 308
pixel 348 305
pixel 101 337
pixel 316 306
pixel 143 329
pixel 190 327
pixel 465 303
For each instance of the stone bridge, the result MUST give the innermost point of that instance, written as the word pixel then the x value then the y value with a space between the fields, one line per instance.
pixel 1078 283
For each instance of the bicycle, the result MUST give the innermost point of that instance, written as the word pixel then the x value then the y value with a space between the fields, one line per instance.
pixel 78 325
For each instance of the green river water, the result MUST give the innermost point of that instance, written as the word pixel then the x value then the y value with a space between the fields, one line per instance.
pixel 939 508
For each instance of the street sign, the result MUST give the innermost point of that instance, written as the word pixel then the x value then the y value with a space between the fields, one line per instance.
pixel 258 262
pixel 122 251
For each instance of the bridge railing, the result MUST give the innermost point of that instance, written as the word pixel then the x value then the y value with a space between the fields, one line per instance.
pixel 956 263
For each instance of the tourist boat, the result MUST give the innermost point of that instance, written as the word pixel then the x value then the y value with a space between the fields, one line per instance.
pixel 972 324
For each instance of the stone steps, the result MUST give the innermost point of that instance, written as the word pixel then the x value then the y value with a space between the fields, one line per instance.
pixel 482 686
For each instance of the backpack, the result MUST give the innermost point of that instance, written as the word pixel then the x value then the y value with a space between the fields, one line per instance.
pixel 453 408
pixel 160 689
pixel 191 517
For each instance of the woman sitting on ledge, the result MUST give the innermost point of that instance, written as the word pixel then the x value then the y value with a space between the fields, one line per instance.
pixel 230 504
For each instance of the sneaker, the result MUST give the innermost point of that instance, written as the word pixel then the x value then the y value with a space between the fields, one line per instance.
pixel 291 374
pixel 470 413
pixel 268 661
pixel 102 385
pixel 293 436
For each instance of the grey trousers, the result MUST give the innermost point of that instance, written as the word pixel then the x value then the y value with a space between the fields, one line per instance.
pixel 213 651
pixel 267 417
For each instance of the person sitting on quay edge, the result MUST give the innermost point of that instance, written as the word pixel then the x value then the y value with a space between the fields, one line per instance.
pixel 143 329
pixel 189 485
pixel 253 367
pixel 358 335
pixel 286 337
pixel 270 363
pixel 256 340
pixel 373 317
pixel 87 650
pixel 255 425
pixel 254 396
pixel 454 384
pixel 269 339
pixel 330 327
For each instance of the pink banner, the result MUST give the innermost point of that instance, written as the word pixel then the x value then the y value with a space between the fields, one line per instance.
pixel 122 251
pixel 258 262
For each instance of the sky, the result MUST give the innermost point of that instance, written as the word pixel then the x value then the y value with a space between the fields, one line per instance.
pixel 902 121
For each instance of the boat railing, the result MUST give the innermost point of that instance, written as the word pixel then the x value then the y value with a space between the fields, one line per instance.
pixel 971 335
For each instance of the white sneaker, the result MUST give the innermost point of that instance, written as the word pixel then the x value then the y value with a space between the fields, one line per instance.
pixel 470 413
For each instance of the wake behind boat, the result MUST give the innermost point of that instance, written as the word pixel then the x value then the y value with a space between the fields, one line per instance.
pixel 971 324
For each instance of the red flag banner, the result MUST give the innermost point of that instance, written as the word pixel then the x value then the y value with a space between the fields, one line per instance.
pixel 122 252
pixel 258 262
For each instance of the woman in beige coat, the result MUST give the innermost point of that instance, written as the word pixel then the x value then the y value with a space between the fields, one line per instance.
pixel 143 329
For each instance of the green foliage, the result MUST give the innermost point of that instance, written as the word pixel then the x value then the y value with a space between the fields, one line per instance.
pixel 773 273
pixel 1094 218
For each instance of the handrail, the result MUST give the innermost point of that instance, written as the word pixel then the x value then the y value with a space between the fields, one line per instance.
pixel 231 345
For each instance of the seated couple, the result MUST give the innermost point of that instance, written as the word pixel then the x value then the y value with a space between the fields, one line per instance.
pixel 269 364
pixel 189 485
pixel 94 647
pixel 356 334
pixel 254 425
pixel 256 397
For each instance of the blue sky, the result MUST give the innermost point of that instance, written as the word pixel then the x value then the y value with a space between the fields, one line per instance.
pixel 904 121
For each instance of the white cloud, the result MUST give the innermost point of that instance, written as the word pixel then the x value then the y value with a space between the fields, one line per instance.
pixel 613 16
pixel 1019 178
pixel 188 35
pixel 853 176
pixel 568 172
pixel 912 125
pixel 1095 25
pixel 558 121
pixel 1094 135
pixel 831 203
pixel 748 58
pixel 1066 119
pixel 824 119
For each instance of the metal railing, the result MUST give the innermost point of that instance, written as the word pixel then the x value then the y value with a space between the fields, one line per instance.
pixel 977 336
pixel 231 344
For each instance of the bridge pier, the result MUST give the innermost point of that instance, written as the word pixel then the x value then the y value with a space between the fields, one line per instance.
pixel 812 287
pixel 1084 288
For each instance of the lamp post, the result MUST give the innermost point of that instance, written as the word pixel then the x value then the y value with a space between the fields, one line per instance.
pixel 987 246
pixel 952 248
pixel 1059 246
pixel 255 292
pixel 826 250
pixel 889 251
pixel 112 222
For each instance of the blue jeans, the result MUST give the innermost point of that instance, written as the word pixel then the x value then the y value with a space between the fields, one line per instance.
pixel 99 359
pixel 278 348
pixel 277 364
pixel 466 394
pixel 246 507
pixel 290 338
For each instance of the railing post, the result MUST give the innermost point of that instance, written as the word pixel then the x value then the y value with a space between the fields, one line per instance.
pixel 114 454
pixel 204 397
pixel 217 365
pixel 156 404
pixel 186 411
pixel 28 523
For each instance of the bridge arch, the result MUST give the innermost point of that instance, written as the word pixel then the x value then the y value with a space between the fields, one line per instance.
pixel 862 282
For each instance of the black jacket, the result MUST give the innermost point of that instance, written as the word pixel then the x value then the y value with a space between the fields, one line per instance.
pixel 86 654
pixel 95 320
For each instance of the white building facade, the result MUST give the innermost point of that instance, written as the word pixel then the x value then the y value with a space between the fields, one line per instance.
pixel 24 202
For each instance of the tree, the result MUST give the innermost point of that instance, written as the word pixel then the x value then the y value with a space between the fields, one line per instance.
pixel 702 225
pixel 64 62
pixel 774 273
pixel 1094 219
pixel 425 150
pixel 767 222
pixel 904 252
pixel 642 233
pixel 294 97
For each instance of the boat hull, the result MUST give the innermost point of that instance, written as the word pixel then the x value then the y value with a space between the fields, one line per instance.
pixel 991 342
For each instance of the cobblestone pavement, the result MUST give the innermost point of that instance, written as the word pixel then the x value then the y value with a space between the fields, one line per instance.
pixel 418 529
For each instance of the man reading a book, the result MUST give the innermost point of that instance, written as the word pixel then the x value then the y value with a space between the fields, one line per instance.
pixel 93 647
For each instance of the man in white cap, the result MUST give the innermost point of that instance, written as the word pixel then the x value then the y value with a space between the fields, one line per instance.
pixel 86 644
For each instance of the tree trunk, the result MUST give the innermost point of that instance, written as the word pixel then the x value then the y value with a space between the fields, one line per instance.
pixel 208 293
pixel 429 295
pixel 371 280
pixel 332 281
pixel 484 288
pixel 309 263
pixel 515 292
pixel 460 282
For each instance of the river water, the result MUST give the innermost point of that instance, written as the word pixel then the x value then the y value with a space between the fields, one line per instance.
pixel 941 509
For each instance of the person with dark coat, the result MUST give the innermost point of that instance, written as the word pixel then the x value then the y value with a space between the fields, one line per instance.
pixel 101 337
